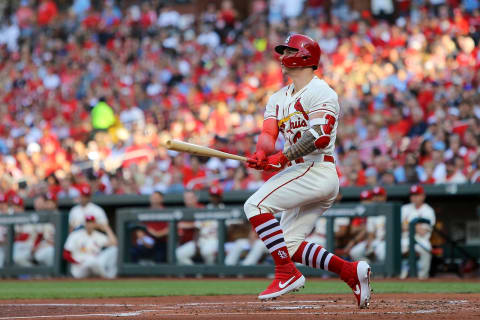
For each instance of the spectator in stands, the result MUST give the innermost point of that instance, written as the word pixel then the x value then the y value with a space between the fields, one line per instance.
pixel 416 82
pixel 91 252
pixel 151 242
pixel 417 208
pixel 76 217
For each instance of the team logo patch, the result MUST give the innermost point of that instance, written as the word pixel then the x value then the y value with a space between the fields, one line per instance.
pixel 282 254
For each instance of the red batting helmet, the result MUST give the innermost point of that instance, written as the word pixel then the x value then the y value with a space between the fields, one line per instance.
pixel 307 55
pixel 416 189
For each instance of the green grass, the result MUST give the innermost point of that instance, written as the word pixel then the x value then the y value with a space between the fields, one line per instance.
pixel 161 287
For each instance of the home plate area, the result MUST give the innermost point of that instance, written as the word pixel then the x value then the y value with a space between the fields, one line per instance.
pixel 387 306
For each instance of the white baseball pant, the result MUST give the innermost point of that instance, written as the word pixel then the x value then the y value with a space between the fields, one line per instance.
pixel 22 253
pixel 103 265
pixel 2 256
pixel 45 254
pixel 378 247
pixel 423 248
pixel 302 192
pixel 208 250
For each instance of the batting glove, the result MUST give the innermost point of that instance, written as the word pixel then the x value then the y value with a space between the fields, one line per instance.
pixel 257 161
pixel 276 162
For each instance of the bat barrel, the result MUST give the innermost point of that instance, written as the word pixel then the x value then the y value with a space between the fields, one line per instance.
pixel 201 150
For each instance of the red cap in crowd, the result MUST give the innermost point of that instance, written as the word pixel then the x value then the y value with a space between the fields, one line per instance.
pixel 416 189
pixel 379 191
pixel 216 191
pixel 17 200
pixel 366 195
pixel 90 218
pixel 85 190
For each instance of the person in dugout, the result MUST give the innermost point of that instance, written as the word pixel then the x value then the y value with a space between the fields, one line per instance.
pixel 91 252
pixel 151 240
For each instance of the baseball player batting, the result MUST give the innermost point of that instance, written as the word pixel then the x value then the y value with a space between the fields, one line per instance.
pixel 306 113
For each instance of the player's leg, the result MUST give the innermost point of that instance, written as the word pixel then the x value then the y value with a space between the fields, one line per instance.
pixel 380 249
pixel 2 256
pixel 107 262
pixel 423 248
pixel 79 271
pixel 208 249
pixel 22 253
pixel 235 250
pixel 289 189
pixel 256 253
pixel 358 251
pixel 185 253
pixel 44 255
pixel 297 225
pixel 404 245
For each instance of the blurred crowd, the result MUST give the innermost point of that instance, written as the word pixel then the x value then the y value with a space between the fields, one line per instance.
pixel 89 91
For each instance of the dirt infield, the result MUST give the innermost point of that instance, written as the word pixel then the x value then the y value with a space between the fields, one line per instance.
pixel 384 306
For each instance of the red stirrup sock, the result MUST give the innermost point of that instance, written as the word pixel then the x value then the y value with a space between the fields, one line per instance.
pixel 315 256
pixel 269 230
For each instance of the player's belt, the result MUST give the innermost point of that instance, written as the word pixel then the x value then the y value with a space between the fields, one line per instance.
pixel 321 158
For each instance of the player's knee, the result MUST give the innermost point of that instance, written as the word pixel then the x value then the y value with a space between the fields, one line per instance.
pixel 292 245
pixel 250 209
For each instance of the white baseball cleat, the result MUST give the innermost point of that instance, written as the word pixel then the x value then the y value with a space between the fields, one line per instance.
pixel 357 276
pixel 287 278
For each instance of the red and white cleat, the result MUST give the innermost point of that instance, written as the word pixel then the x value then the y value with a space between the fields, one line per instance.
pixel 287 278
pixel 357 276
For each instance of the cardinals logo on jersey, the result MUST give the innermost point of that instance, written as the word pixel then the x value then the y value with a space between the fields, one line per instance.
pixel 298 107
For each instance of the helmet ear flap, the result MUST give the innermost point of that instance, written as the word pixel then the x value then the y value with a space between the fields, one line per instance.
pixel 308 54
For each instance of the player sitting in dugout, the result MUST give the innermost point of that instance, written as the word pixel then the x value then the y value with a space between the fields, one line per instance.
pixel 91 252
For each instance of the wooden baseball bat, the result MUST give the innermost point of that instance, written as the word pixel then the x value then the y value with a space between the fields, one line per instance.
pixel 201 150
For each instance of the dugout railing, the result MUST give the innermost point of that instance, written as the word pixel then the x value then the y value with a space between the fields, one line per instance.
pixel 129 219
pixel 58 219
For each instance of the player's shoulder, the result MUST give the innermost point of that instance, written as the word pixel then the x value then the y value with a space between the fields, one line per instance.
pixel 280 93
pixel 407 206
pixel 78 233
pixel 94 206
pixel 426 207
pixel 318 87
pixel 75 209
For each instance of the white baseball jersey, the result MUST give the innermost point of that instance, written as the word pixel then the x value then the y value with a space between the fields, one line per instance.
pixel 410 212
pixel 376 224
pixel 83 245
pixel 293 112
pixel 78 213
pixel 25 232
pixel 47 230
pixel 3 234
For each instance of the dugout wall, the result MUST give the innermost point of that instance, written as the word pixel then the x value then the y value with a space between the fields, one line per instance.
pixel 60 222
pixel 129 219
